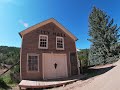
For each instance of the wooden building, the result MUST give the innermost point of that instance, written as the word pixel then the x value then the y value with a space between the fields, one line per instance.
pixel 48 51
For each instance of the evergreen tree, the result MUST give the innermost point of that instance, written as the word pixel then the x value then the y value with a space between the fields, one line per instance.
pixel 104 37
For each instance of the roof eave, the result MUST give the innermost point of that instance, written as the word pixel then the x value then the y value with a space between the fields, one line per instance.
pixel 52 20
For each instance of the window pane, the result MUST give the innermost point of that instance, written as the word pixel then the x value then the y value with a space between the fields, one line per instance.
pixel 59 42
pixel 33 63
pixel 43 41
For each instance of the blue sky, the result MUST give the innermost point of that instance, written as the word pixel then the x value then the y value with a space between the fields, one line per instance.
pixel 17 15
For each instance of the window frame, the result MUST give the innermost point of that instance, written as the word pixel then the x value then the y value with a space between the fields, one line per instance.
pixel 32 54
pixel 62 43
pixel 46 42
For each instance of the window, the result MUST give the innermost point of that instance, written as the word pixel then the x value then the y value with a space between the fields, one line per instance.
pixel 43 42
pixel 59 43
pixel 33 62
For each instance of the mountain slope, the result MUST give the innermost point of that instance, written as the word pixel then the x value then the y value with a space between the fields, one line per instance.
pixel 9 55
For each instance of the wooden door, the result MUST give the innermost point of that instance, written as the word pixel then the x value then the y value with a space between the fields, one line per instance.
pixel 48 68
pixel 54 66
pixel 61 69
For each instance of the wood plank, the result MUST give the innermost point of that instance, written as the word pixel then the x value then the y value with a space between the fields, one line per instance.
pixel 42 84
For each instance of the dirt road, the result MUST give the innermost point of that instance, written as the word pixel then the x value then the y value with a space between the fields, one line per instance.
pixel 107 81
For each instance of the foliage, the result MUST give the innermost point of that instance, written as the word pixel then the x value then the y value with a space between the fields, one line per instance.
pixel 83 57
pixel 3 85
pixel 15 77
pixel 7 79
pixel 104 38
pixel 10 56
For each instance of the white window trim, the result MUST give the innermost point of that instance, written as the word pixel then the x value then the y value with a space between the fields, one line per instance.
pixel 46 43
pixel 56 43
pixel 32 54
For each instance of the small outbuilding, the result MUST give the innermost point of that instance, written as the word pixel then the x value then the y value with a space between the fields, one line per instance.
pixel 48 51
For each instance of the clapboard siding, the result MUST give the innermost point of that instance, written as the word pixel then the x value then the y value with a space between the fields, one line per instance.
pixel 30 45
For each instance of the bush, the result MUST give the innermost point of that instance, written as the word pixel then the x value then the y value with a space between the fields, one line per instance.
pixel 3 85
pixel 15 77
pixel 15 74
pixel 7 79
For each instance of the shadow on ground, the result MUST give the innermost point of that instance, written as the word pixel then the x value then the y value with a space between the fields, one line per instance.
pixel 92 72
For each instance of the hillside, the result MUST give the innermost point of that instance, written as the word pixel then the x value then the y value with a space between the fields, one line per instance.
pixel 9 55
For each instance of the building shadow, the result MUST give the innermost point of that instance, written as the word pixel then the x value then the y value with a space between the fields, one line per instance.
pixel 92 72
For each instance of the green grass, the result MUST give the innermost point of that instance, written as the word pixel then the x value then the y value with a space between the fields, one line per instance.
pixel 7 79
pixel 6 82
pixel 3 85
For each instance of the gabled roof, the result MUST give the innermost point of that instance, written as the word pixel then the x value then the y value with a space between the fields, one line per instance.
pixel 22 33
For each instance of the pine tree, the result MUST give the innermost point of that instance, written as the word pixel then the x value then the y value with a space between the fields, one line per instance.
pixel 104 37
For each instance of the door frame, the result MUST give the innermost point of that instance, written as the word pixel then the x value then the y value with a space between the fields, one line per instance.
pixel 43 54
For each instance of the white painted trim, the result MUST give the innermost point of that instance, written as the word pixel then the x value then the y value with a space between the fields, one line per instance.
pixel 56 43
pixel 67 65
pixel 43 65
pixel 34 27
pixel 32 54
pixel 20 60
pixel 70 64
pixel 46 43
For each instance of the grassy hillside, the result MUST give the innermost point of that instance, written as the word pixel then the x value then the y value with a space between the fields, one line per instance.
pixel 9 55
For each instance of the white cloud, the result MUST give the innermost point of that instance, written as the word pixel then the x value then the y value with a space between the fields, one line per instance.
pixel 23 23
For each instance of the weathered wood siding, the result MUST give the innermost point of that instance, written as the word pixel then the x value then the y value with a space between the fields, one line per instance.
pixel 30 45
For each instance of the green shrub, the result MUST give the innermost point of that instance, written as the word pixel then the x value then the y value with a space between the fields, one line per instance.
pixel 3 85
pixel 7 79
